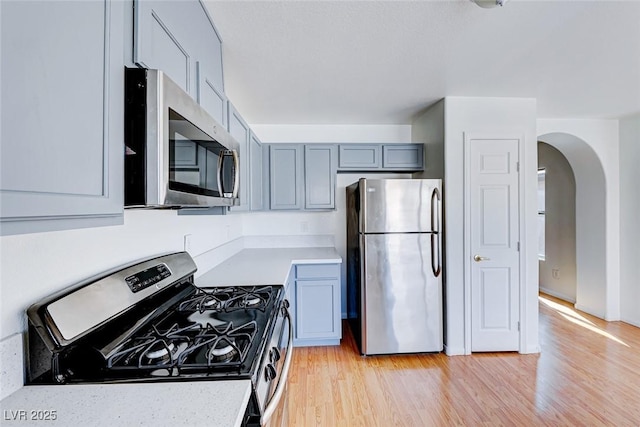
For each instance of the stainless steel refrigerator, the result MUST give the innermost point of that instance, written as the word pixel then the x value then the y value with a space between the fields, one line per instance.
pixel 394 268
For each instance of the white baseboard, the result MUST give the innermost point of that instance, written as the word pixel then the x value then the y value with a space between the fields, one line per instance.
pixel 632 322
pixel 531 350
pixel 589 311
pixel 558 295
pixel 454 351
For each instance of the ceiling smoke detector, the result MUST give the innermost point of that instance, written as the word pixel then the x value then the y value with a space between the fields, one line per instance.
pixel 489 3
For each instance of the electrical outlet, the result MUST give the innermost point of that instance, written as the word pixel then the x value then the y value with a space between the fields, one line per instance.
pixel 555 273
pixel 304 226
pixel 187 242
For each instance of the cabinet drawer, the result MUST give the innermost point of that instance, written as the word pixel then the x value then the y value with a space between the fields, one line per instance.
pixel 316 271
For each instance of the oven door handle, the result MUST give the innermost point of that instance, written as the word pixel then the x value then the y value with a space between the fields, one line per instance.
pixel 277 394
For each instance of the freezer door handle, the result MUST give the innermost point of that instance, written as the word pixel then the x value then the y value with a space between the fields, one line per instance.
pixel 435 212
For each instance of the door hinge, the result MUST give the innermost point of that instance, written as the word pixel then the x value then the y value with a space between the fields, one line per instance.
pixel 517 166
pixel 518 246
pixel 518 326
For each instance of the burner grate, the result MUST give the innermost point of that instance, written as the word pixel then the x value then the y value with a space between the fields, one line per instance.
pixel 228 299
pixel 192 347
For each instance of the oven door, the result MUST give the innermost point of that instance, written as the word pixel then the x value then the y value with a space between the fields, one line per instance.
pixel 276 371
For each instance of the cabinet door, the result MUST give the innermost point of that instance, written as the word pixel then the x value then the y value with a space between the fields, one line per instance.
pixel 285 176
pixel 160 32
pixel 317 309
pixel 256 194
pixel 359 156
pixel 402 157
pixel 210 97
pixel 320 176
pixel 179 38
pixel 61 123
pixel 239 130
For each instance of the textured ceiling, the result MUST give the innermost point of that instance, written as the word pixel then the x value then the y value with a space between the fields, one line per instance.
pixel 363 62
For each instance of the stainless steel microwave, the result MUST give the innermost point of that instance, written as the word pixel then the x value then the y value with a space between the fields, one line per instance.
pixel 176 154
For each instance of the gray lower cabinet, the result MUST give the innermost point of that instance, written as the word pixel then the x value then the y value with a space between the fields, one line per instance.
pixel 302 176
pixel 61 124
pixel 317 305
pixel 179 38
pixel 380 157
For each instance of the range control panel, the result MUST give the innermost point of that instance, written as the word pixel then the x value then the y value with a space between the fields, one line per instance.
pixel 148 277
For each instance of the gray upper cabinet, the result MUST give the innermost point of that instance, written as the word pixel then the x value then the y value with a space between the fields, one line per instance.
pixel 210 96
pixel 61 123
pixel 302 176
pixel 239 130
pixel 286 176
pixel 160 39
pixel 179 38
pixel 380 157
pixel 320 176
pixel 256 194
pixel 402 157
pixel 359 156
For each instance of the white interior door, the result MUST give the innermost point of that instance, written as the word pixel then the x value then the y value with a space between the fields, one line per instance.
pixel 493 243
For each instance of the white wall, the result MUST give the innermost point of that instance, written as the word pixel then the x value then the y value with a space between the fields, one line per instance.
pixel 428 129
pixel 39 264
pixel 629 220
pixel 596 168
pixel 333 133
pixel 506 116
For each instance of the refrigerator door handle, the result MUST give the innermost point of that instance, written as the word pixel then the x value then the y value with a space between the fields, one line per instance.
pixel 435 229
pixel 435 255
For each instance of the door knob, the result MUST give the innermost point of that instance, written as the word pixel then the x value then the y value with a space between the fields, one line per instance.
pixel 478 258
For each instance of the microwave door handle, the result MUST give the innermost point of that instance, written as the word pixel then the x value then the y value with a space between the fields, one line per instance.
pixel 236 173
pixel 220 174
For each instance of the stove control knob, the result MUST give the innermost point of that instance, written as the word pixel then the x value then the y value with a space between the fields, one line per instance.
pixel 274 355
pixel 269 372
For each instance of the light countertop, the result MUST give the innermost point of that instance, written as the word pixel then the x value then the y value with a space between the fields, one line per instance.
pixel 196 403
pixel 264 266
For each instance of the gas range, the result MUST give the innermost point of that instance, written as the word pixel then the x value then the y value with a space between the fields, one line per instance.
pixel 149 322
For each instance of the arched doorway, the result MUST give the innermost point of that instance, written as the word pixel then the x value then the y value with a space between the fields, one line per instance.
pixel 591 254
pixel 557 224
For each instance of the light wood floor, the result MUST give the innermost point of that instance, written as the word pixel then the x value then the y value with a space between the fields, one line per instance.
pixel 587 374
